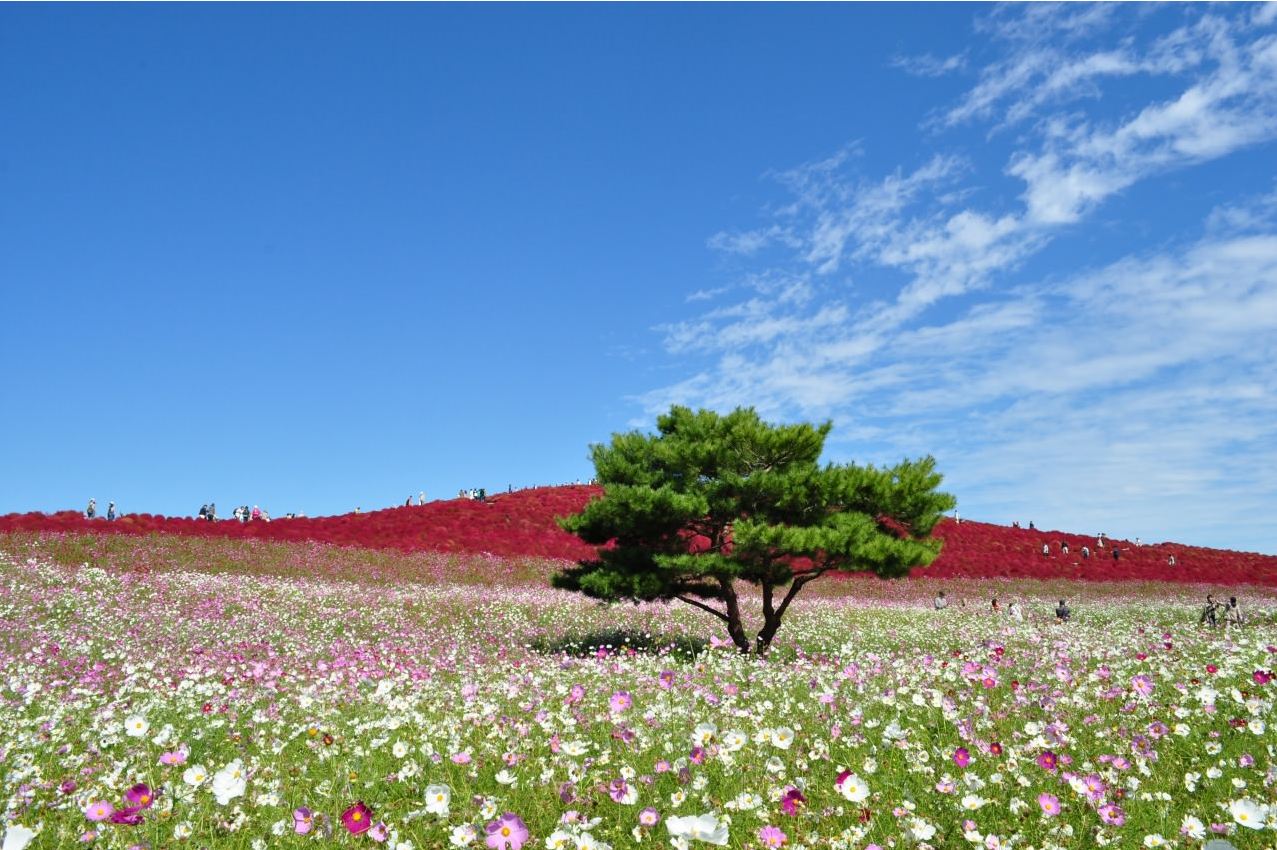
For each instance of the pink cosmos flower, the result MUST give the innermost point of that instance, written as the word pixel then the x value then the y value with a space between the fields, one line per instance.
pixel 173 757
pixel 962 757
pixel 772 836
pixel 1112 814
pixel 379 832
pixel 357 819
pixel 130 816
pixel 461 758
pixel 649 817
pixel 575 695
pixel 99 811
pixel 620 701
pixel 666 679
pixel 303 820
pixel 1050 804
pixel 507 831
pixel 1142 685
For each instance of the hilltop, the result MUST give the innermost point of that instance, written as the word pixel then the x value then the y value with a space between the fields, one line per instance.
pixel 522 524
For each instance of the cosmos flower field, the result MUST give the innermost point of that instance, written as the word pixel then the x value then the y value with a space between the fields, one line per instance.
pixel 171 692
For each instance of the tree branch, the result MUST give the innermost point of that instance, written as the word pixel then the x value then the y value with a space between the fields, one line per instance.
pixel 798 584
pixel 698 604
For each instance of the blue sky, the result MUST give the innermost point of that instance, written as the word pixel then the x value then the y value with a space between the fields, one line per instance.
pixel 314 257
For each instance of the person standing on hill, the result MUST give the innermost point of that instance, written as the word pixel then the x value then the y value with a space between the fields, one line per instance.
pixel 1015 612
pixel 994 606
pixel 1117 553
pixel 1046 549
pixel 940 602
pixel 92 510
pixel 1086 553
pixel 421 498
pixel 1170 562
pixel 1064 547
pixel 1062 612
pixel 110 511
pixel 257 512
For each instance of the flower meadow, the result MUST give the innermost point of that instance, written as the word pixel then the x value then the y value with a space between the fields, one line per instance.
pixel 237 694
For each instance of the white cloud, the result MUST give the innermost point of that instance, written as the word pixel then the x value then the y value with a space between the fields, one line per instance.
pixel 1140 391
pixel 927 65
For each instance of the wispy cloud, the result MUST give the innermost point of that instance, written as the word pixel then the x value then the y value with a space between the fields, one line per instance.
pixel 1137 390
pixel 927 65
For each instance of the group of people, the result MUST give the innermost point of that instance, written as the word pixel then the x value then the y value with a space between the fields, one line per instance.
pixel 1013 610
pixel 246 514
pixel 91 512
pixel 1214 613
pixel 242 513
pixel 474 494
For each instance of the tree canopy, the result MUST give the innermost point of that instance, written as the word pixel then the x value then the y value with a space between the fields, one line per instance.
pixel 711 502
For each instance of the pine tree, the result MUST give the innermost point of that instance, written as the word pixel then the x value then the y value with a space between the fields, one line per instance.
pixel 711 504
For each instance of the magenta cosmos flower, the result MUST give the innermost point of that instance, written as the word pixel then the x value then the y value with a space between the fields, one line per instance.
pixel 507 831
pixel 1048 760
pixel 1050 804
pixel 140 795
pixel 772 836
pixel 99 811
pixel 962 757
pixel 357 819
pixel 792 800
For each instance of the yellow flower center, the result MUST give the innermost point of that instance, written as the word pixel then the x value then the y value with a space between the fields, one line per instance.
pixel 357 816
pixel 505 831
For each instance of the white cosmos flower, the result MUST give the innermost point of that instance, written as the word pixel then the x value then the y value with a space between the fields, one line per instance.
pixel 399 750
pixel 229 782
pixel 971 802
pixel 575 748
pixel 1248 813
pixel 437 799
pixel 853 788
pixel 1154 840
pixel 704 827
pixel 921 830
pixel 558 840
pixel 782 737
pixel 733 741
pixel 195 775
pixel 505 777
pixel 462 836
pixel 136 726
pixel 17 837
pixel 704 734
pixel 1193 828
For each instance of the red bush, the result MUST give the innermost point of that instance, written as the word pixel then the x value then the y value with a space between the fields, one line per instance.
pixel 522 523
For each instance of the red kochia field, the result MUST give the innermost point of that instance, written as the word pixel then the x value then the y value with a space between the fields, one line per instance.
pixel 522 524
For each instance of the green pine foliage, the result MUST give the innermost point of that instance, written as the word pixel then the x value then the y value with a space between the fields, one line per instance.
pixel 710 502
